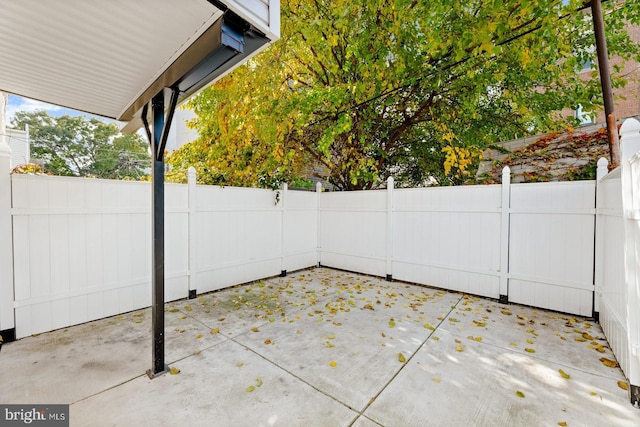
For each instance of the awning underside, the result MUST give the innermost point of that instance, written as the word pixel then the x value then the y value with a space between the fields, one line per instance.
pixel 110 58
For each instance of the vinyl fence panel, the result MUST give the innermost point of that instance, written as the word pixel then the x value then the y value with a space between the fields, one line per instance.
pixel 238 237
pixel 551 245
pixel 353 231
pixel 300 230
pixel 80 250
pixel 448 237
pixel 610 278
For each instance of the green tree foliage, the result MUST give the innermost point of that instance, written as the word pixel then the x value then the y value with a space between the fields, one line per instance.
pixel 411 89
pixel 78 146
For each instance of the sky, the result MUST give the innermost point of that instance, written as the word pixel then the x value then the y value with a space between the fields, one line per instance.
pixel 179 134
pixel 17 103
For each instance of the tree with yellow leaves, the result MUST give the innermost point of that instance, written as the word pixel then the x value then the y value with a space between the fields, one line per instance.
pixel 355 92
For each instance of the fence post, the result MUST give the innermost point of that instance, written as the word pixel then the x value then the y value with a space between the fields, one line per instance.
pixel 283 249
pixel 603 168
pixel 193 271
pixel 630 180
pixel 598 258
pixel 504 235
pixel 390 228
pixel 7 324
pixel 318 240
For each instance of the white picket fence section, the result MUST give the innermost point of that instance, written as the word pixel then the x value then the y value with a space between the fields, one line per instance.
pixel 81 248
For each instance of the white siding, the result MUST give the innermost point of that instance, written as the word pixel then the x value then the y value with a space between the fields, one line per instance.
pixel 18 141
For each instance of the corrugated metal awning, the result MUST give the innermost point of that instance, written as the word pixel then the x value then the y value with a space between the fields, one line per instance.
pixel 111 57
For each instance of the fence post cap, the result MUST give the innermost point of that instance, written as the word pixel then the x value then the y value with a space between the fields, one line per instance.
pixel 630 125
pixel 603 162
pixel 506 170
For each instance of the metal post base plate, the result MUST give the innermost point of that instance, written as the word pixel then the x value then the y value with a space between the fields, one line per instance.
pixel 151 375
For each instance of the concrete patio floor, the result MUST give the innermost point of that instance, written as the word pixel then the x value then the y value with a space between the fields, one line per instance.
pixel 322 347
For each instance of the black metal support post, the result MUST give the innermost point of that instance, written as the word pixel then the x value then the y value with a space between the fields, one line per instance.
pixel 158 139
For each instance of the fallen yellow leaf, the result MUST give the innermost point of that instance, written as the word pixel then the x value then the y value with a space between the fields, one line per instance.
pixel 459 348
pixel 215 330
pixel 250 389
pixel 562 423
pixel 529 350
pixel 479 323
pixel 520 394
pixel 608 362
pixel 332 364
pixel 436 380
pixel 401 358
pixel 174 371
pixel 267 341
pixel 199 336
pixel 623 385
pixel 258 382
pixel 255 329
pixel 563 374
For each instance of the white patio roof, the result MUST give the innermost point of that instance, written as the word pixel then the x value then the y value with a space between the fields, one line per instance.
pixel 111 57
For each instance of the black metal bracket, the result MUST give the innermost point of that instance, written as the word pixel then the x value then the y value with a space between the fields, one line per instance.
pixel 504 299
pixel 192 293
pixel 389 278
pixel 158 145
pixel 283 273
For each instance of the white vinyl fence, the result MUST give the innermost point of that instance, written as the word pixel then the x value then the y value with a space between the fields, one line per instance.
pixel 617 263
pixel 526 243
pixel 81 248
